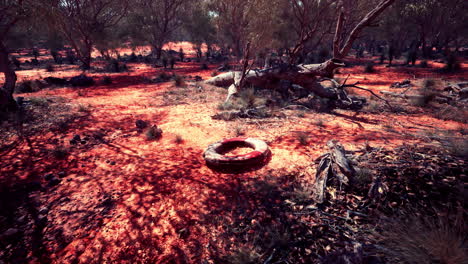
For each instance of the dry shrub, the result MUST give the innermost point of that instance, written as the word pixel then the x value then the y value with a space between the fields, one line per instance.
pixel 153 133
pixel 303 138
pixel 427 93
pixel 452 113
pixel 421 239
pixel 178 139
pixel 179 81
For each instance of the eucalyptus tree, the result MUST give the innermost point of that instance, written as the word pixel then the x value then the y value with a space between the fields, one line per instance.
pixel 156 21
pixel 12 13
pixel 83 22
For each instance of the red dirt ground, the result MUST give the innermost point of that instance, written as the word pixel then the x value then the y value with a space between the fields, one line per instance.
pixel 163 196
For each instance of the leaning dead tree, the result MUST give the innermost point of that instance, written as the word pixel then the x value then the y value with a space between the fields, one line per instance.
pixel 307 75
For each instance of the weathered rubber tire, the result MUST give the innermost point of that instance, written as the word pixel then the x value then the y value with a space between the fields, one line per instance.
pixel 259 155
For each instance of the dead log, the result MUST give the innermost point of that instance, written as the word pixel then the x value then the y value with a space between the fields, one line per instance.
pixel 302 75
pixel 333 165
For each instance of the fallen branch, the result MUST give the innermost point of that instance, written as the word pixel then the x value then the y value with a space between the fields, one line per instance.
pixel 370 91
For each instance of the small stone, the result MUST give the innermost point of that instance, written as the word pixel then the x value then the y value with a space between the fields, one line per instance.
pixel 62 174
pixel 112 163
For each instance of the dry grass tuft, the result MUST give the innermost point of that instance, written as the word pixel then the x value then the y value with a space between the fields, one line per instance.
pixel 413 238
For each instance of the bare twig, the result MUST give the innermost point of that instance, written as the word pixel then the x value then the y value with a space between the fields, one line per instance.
pixel 370 91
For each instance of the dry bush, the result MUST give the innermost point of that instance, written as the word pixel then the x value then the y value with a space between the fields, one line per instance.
pixel 179 81
pixel 153 133
pixel 415 238
pixel 452 113
pixel 303 138
pixel 178 139
pixel 427 93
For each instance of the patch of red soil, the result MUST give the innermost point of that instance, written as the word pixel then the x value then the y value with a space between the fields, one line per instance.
pixel 131 200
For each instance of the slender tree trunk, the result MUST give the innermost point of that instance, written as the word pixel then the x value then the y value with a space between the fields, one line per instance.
pixel 7 102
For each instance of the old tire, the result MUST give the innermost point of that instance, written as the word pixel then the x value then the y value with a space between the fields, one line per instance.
pixel 214 156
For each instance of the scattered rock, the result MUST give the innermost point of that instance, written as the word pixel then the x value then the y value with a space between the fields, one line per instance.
pixel 81 81
pixel 62 174
pixel 112 163
pixel 140 124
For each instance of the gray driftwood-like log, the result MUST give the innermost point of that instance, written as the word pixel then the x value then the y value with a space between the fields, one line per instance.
pixel 333 165
pixel 304 75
